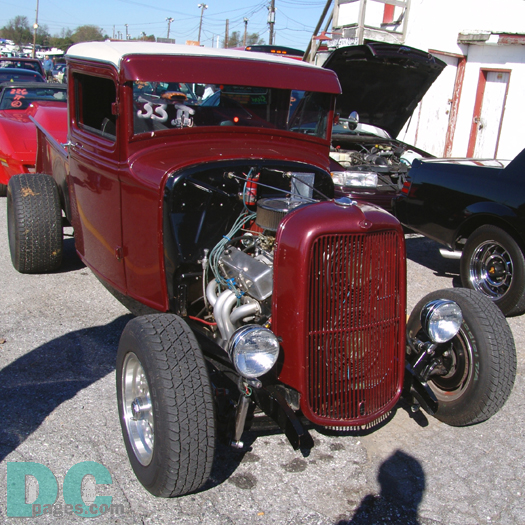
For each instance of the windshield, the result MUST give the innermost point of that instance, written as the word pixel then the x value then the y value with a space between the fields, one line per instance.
pixel 23 64
pixel 344 126
pixel 20 98
pixel 167 105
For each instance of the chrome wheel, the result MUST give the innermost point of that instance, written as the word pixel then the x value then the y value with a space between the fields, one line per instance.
pixel 491 269
pixel 165 403
pixel 458 361
pixel 137 410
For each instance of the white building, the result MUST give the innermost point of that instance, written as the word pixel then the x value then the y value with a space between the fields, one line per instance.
pixel 475 107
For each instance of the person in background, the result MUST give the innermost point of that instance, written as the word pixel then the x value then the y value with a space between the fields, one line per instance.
pixel 48 66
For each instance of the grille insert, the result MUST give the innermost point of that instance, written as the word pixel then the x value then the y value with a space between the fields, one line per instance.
pixel 353 325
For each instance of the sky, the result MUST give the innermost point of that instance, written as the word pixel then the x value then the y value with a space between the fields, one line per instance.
pixel 295 20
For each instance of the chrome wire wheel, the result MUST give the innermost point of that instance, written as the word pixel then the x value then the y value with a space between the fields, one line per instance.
pixel 459 363
pixel 491 269
pixel 137 409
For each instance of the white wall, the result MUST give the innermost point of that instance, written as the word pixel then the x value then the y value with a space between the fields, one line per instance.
pixel 494 57
pixel 435 25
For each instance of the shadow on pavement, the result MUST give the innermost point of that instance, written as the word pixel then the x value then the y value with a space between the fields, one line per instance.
pixel 425 252
pixel 34 385
pixel 402 481
pixel 39 381
pixel 70 260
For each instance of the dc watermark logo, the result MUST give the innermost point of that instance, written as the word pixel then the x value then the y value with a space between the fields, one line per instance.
pixel 45 503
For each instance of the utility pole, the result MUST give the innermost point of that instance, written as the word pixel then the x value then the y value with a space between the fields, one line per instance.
pixel 126 31
pixel 113 32
pixel 35 27
pixel 226 33
pixel 245 31
pixel 202 7
pixel 271 20
pixel 169 20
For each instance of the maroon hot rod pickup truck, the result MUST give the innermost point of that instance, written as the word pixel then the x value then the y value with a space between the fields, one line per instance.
pixel 195 194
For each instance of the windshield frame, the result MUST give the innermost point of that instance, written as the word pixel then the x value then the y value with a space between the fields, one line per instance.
pixel 172 107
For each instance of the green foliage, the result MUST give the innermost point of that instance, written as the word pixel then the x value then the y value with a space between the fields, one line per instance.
pixel 21 32
pixel 87 33
pixel 62 40
pixel 18 30
pixel 42 36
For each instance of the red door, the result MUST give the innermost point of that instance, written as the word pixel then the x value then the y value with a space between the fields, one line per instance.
pixel 94 174
pixel 489 110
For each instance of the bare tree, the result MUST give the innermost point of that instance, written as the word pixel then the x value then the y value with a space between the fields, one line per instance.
pixel 236 39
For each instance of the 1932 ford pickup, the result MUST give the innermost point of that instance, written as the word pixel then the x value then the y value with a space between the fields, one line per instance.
pixel 197 183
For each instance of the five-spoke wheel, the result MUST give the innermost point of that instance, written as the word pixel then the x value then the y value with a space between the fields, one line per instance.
pixel 137 410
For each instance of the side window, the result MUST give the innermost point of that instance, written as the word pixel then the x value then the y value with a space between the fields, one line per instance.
pixel 95 96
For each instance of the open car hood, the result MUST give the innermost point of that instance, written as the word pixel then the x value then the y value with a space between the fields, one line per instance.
pixel 382 82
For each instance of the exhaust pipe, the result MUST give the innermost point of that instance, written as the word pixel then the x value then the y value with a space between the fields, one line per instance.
pixel 449 254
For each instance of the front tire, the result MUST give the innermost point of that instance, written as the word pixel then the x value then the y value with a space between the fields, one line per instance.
pixel 34 221
pixel 478 370
pixel 165 405
pixel 493 264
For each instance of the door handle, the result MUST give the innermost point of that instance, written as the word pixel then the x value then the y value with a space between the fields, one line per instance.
pixel 70 144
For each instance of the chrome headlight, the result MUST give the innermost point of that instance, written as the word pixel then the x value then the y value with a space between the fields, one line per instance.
pixel 441 320
pixel 358 179
pixel 253 350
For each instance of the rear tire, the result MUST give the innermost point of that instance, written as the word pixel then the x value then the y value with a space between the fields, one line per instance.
pixel 34 220
pixel 165 405
pixel 3 190
pixel 493 264
pixel 481 364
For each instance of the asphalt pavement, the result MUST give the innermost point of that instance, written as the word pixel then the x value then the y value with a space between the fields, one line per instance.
pixel 58 340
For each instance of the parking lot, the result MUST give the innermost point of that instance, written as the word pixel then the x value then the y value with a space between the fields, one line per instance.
pixel 58 339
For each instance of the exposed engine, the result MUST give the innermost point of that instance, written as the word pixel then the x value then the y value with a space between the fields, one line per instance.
pixel 390 160
pixel 242 265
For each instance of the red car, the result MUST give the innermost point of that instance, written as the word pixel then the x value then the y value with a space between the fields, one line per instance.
pixel 20 103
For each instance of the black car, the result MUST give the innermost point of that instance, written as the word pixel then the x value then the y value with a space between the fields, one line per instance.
pixel 31 64
pixel 477 209
pixel 382 85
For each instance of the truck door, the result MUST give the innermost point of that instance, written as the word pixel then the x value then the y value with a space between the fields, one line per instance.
pixel 94 176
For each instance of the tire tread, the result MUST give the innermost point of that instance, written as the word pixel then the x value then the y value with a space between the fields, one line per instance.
pixel 184 391
pixel 36 233
pixel 503 364
pixel 498 362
